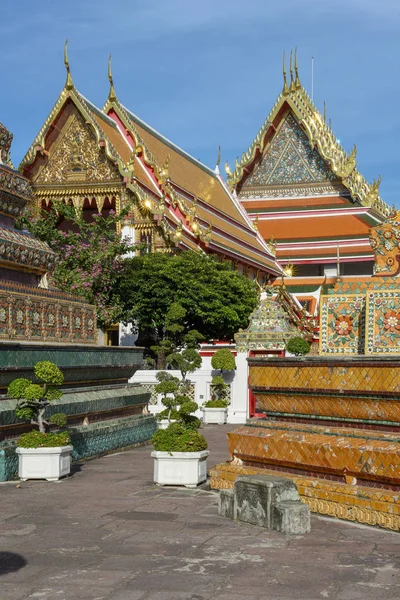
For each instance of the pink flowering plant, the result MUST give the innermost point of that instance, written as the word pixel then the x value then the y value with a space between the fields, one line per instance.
pixel 89 254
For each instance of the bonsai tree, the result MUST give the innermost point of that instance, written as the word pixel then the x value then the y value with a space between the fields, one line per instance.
pixel 181 436
pixel 32 402
pixel 298 346
pixel 186 361
pixel 168 386
pixel 222 360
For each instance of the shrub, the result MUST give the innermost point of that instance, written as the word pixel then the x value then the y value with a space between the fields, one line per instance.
pixel 182 435
pixel 36 439
pixel 218 403
pixel 223 360
pixel 17 388
pixel 298 346
pixel 178 438
pixel 34 398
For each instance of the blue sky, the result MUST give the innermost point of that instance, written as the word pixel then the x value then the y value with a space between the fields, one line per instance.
pixel 207 72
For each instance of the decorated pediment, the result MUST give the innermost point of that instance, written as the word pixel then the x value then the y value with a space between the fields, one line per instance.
pixel 76 157
pixel 289 159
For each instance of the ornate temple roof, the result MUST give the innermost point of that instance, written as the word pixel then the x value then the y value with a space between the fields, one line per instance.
pixel 190 202
pixel 301 189
pixel 306 122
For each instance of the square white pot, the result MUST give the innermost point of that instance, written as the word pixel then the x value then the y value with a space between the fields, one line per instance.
pixel 180 468
pixel 44 463
pixel 215 416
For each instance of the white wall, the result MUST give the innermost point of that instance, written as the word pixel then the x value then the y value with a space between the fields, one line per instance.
pixel 201 378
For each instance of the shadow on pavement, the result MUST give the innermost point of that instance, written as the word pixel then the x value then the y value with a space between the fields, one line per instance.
pixel 9 562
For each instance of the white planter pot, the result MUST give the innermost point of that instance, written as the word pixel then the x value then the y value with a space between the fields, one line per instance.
pixel 180 468
pixel 216 416
pixel 163 424
pixel 44 463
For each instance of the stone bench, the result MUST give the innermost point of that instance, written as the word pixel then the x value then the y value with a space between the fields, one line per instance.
pixel 266 501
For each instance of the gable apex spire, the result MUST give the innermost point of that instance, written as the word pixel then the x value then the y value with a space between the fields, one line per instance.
pixel 297 83
pixel 111 94
pixel 292 86
pixel 285 90
pixel 68 84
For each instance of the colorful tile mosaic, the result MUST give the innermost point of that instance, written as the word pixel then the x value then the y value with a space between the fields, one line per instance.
pixel 341 376
pixel 11 182
pixel 344 287
pixel 383 323
pixel 338 408
pixel 385 242
pixel 21 248
pixel 342 324
pixel 35 315
pixel 290 159
pixel 338 451
pixel 269 328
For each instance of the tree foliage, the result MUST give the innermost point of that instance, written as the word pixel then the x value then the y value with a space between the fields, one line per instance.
pixel 298 346
pixel 216 298
pixel 89 255
pixel 34 398
pixel 223 360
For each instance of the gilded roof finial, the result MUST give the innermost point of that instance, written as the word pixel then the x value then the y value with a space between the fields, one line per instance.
pixel 296 68
pixel 285 90
pixel 292 87
pixel 111 94
pixel 324 111
pixel 228 169
pixel 68 84
pixel 218 161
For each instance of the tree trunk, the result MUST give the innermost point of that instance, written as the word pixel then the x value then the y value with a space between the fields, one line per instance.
pixel 41 420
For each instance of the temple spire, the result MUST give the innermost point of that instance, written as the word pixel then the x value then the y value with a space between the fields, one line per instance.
pixel 68 84
pixel 111 94
pixel 285 90
pixel 324 111
pixel 292 86
pixel 218 161
pixel 296 68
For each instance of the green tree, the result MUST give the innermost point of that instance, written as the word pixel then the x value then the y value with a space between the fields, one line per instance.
pixel 89 254
pixel 216 298
pixel 33 398
pixel 298 346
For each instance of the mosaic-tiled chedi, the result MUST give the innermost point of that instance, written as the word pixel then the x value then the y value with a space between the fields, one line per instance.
pixel 333 421
pixel 28 311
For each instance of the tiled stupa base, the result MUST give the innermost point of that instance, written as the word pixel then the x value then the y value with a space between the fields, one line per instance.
pixel 361 504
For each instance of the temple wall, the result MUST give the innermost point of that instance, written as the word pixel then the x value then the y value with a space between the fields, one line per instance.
pixel 361 390
pixel 39 315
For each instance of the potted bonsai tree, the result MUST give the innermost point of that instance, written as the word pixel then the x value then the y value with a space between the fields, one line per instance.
pixel 42 454
pixel 180 452
pixel 215 410
pixel 168 386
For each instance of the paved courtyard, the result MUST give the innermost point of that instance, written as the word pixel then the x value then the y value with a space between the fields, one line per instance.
pixel 107 533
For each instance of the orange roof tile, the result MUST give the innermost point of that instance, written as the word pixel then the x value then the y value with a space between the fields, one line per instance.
pixel 310 227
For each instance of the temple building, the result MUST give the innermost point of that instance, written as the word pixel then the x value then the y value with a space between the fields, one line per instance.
pixel 29 312
pixel 102 160
pixel 305 195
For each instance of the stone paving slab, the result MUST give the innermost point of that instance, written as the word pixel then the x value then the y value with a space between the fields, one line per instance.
pixel 108 533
